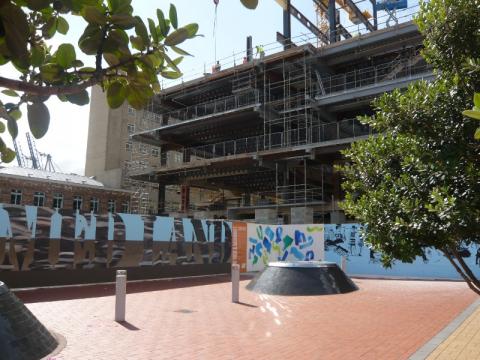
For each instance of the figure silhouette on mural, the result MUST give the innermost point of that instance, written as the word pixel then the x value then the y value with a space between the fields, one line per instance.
pixel 353 239
pixel 360 241
pixel 338 239
pixel 477 257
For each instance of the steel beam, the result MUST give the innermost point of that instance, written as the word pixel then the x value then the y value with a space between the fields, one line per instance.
pixel 359 14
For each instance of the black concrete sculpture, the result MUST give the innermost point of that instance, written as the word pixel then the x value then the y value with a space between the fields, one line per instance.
pixel 22 336
pixel 302 278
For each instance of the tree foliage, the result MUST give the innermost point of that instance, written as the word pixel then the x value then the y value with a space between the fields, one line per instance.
pixel 416 184
pixel 128 56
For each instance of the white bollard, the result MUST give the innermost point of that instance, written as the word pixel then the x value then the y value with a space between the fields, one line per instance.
pixel 235 283
pixel 120 295
pixel 344 264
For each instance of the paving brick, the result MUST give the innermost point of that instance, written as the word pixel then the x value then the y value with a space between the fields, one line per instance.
pixel 383 320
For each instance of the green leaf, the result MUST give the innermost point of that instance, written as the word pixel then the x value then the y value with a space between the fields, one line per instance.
pixel 153 30
pixel 477 134
pixel 116 94
pixel 2 127
pixel 161 22
pixel 138 95
pixel 37 56
pixel 8 155
pixel 137 43
pixel 173 16
pixel 192 29
pixel 16 31
pixel 111 59
pixel 10 92
pixel 123 21
pixel 15 114
pixel 180 51
pixel 476 100
pixel 66 55
pixel 177 37
pixel 171 63
pixel 171 74
pixel 93 15
pixel 250 4
pixel 50 28
pixel 141 30
pixel 38 4
pixel 120 6
pixel 12 127
pixel 38 119
pixel 51 73
pixel 62 25
pixel 80 98
pixel 472 114
pixel 91 40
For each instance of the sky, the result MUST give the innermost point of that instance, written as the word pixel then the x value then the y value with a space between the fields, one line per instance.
pixel 66 139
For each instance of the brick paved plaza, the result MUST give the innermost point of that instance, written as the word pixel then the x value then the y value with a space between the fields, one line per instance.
pixel 194 319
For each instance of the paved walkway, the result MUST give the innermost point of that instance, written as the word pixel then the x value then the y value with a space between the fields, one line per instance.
pixel 385 319
pixel 463 343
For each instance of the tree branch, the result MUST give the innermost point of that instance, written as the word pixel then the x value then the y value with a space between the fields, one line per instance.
pixel 33 89
pixel 447 254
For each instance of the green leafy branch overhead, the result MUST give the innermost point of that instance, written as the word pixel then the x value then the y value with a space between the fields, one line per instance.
pixel 128 56
pixel 474 113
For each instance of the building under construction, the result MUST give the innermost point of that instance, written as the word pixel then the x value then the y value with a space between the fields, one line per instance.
pixel 263 137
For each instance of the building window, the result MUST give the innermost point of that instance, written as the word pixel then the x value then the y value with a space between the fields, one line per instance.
pixel 155 152
pixel 128 146
pixel 77 202
pixel 131 110
pixel 131 128
pixel 94 205
pixel 111 206
pixel 125 207
pixel 57 201
pixel 143 149
pixel 16 197
pixel 38 198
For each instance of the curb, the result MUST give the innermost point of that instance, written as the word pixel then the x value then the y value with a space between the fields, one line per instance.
pixel 448 330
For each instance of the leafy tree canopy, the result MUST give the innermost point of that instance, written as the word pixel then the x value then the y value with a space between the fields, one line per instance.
pixel 128 54
pixel 416 184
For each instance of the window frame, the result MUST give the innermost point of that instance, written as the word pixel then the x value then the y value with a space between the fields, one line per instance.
pixel 77 199
pixel 17 195
pixel 39 198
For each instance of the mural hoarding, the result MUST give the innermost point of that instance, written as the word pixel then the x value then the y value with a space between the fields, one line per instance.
pixel 267 243
pixel 38 238
pixel 346 240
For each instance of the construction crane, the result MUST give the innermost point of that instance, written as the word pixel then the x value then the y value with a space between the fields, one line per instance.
pixel 18 151
pixel 34 157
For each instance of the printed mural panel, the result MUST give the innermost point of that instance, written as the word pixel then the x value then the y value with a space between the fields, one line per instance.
pixel 38 238
pixel 266 243
pixel 346 240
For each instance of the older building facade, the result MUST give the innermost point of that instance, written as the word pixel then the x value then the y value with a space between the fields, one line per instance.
pixel 25 186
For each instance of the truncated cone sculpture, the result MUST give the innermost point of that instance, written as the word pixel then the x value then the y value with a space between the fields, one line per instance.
pixel 302 278
pixel 22 336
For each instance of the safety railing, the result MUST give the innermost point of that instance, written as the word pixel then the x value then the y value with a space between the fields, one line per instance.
pixel 350 128
pixel 372 75
pixel 217 106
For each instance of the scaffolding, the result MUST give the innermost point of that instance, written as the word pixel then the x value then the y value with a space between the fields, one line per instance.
pixel 281 102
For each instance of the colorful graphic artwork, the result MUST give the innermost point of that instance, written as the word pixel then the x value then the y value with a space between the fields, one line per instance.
pixel 266 243
pixel 36 238
pixel 346 240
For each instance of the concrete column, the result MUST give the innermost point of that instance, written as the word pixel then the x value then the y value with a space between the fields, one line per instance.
pixel 301 215
pixel 337 217
pixel 266 216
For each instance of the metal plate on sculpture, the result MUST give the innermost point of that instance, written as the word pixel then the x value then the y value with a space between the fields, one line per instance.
pixel 302 278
